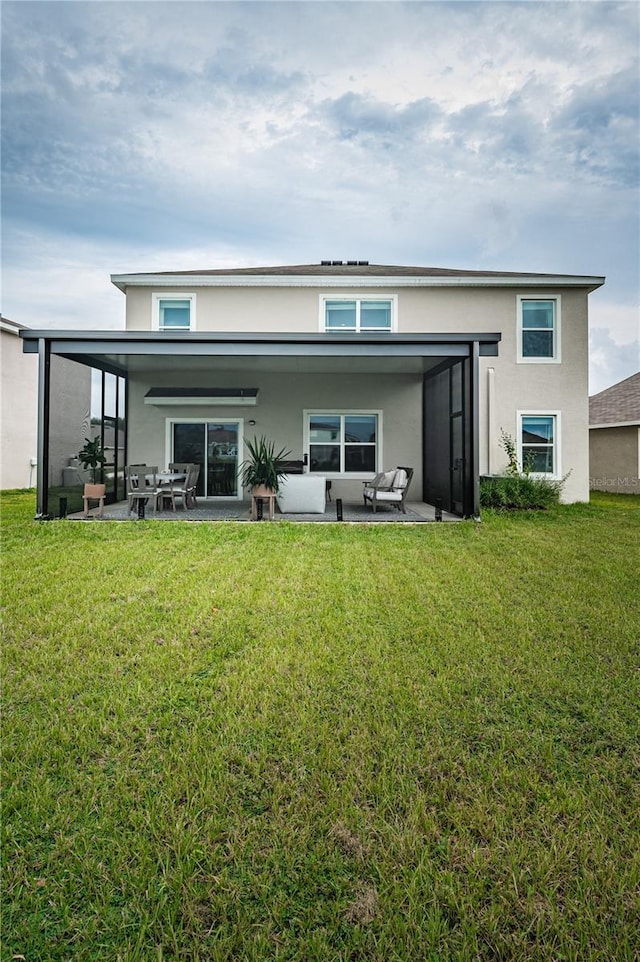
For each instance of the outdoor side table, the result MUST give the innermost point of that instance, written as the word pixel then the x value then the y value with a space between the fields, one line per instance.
pixel 270 498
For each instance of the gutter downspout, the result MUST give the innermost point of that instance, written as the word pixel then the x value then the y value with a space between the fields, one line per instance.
pixel 491 407
pixel 475 428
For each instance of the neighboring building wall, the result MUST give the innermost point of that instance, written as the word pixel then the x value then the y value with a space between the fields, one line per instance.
pixel 69 416
pixel 614 459
pixel 18 411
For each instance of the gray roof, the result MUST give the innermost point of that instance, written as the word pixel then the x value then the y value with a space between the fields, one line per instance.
pixel 617 404
pixel 345 269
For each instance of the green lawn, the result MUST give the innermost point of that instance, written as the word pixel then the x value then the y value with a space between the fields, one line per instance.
pixel 322 743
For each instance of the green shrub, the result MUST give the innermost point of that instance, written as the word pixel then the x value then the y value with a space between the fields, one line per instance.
pixel 519 492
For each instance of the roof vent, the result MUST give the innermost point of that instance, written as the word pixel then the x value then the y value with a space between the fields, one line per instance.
pixel 363 263
pixel 325 263
pixel 351 263
pixel 336 263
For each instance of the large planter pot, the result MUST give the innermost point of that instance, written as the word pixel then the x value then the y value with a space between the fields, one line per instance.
pixel 94 490
pixel 262 491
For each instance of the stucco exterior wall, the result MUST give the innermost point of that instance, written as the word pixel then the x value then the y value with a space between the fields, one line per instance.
pixel 506 388
pixel 279 414
pixel 615 459
pixel 18 413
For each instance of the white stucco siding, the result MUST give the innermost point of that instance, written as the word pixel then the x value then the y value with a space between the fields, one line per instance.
pixel 279 414
pixel 542 387
pixel 517 387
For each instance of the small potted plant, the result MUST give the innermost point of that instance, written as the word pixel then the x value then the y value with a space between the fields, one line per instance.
pixel 91 456
pixel 260 471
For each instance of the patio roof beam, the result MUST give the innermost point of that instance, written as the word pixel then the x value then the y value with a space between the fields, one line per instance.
pixel 93 344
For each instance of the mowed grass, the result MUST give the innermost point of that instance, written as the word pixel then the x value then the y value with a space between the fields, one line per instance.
pixel 322 743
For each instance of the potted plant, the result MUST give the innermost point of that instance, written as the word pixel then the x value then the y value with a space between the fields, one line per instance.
pixel 91 456
pixel 260 471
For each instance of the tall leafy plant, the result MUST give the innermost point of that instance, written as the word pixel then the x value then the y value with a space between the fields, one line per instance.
pixel 91 456
pixel 262 465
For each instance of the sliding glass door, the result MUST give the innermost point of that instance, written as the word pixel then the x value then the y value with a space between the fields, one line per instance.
pixel 215 446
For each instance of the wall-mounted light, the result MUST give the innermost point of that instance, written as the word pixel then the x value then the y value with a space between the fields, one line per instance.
pixel 251 424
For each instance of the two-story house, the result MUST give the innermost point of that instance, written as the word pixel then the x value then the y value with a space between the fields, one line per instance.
pixel 352 366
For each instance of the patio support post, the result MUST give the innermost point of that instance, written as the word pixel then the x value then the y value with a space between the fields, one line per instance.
pixel 44 392
pixel 475 429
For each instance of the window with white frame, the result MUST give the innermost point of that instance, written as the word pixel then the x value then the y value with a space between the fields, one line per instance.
pixel 343 443
pixel 174 312
pixel 538 329
pixel 350 314
pixel 538 443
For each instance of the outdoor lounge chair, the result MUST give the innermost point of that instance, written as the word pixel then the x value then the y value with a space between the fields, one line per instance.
pixel 390 488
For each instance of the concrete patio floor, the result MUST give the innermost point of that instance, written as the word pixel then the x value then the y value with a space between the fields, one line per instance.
pixel 417 512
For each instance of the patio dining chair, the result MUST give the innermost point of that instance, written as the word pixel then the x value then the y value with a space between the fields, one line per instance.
pixel 389 487
pixel 142 483
pixel 181 489
pixel 192 484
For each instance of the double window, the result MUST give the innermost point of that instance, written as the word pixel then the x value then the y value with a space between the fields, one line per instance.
pixel 343 443
pixel 538 443
pixel 539 329
pixel 174 312
pixel 357 314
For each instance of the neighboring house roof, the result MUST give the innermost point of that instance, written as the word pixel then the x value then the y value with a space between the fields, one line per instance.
pixel 11 327
pixel 346 272
pixel 617 405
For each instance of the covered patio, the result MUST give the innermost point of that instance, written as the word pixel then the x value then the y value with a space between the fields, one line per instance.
pixel 142 386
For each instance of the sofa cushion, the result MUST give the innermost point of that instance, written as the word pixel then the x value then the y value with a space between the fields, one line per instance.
pixel 388 478
pixel 400 480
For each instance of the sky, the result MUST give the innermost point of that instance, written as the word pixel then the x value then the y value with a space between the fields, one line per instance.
pixel 141 136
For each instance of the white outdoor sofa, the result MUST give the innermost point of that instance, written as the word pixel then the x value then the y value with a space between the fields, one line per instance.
pixel 302 494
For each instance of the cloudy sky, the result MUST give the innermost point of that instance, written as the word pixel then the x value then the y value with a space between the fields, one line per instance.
pixel 183 135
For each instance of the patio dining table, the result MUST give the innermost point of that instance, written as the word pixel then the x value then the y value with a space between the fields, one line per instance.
pixel 169 477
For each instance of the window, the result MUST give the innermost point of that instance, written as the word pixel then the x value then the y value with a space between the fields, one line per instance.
pixel 356 314
pixel 539 333
pixel 343 443
pixel 538 443
pixel 174 312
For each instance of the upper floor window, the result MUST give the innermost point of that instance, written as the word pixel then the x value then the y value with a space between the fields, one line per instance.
pixel 355 314
pixel 538 443
pixel 174 312
pixel 539 329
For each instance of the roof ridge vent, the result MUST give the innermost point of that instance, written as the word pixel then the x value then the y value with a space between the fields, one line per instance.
pixel 336 263
pixel 325 263
pixel 363 263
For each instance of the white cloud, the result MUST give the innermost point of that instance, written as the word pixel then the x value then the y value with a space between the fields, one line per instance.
pixel 165 135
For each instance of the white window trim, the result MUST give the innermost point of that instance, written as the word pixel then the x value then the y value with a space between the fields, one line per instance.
pixel 557 443
pixel 344 412
pixel 172 296
pixel 359 297
pixel 557 329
